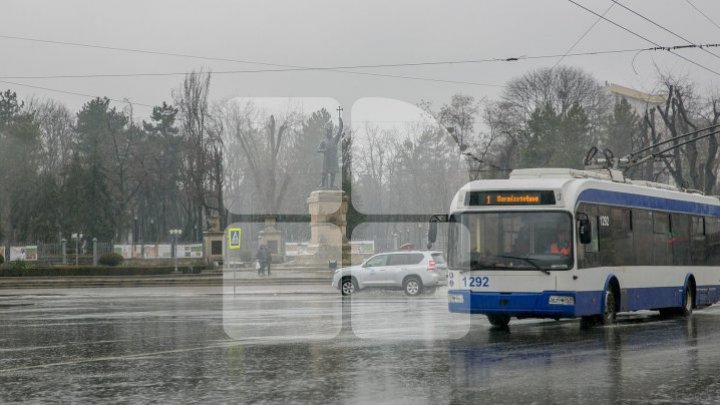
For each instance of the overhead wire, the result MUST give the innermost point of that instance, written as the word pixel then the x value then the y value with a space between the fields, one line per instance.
pixel 703 14
pixel 340 69
pixel 125 101
pixel 584 34
pixel 668 149
pixel 284 67
pixel 673 139
pixel 466 61
pixel 320 68
pixel 206 58
pixel 662 27
pixel 647 39
pixel 222 59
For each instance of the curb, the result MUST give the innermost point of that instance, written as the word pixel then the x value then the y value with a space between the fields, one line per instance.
pixel 84 282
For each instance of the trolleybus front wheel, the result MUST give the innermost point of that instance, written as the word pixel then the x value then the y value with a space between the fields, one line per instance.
pixel 688 300
pixel 500 321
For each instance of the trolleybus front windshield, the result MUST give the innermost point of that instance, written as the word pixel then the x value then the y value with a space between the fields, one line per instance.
pixel 540 240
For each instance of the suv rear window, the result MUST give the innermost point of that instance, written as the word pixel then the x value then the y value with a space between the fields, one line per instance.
pixel 405 259
pixel 438 257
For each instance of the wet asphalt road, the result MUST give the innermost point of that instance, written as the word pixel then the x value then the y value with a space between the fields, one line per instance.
pixel 166 345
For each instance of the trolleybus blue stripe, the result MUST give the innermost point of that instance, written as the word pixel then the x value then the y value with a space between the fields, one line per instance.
pixel 648 202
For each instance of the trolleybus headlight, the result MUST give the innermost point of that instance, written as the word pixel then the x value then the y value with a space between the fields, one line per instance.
pixel 561 300
pixel 456 298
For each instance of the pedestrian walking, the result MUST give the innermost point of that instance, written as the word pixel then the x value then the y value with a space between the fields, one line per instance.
pixel 268 260
pixel 262 259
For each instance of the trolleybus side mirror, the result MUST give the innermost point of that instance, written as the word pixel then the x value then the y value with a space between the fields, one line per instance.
pixel 432 232
pixel 584 229
pixel 432 228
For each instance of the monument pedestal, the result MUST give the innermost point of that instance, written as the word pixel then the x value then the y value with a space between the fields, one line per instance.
pixel 328 213
pixel 212 242
pixel 271 237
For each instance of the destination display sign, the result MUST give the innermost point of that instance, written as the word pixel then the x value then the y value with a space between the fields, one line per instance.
pixel 475 198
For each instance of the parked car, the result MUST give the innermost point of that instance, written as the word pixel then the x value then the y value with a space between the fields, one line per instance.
pixel 413 271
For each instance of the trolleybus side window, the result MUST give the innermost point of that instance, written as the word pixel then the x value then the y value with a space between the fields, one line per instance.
pixel 662 239
pixel 712 235
pixel 622 235
pixel 697 249
pixel 607 242
pixel 642 236
pixel 680 240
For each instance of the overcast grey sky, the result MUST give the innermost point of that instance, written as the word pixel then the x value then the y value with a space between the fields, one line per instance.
pixel 333 33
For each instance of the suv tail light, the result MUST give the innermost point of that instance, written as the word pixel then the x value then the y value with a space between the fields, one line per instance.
pixel 431 265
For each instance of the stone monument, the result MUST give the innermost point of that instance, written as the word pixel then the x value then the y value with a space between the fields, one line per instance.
pixel 213 241
pixel 271 237
pixel 329 148
pixel 328 212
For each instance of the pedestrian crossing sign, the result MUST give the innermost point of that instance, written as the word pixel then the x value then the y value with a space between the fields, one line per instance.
pixel 234 237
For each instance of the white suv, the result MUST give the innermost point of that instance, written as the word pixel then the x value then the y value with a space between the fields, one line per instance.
pixel 413 271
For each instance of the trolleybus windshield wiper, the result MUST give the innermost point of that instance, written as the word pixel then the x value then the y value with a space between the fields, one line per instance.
pixel 527 260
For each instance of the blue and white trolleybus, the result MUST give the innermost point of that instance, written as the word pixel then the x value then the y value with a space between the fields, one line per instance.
pixel 558 243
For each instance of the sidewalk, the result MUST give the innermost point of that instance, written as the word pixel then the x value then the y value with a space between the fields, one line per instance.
pixel 240 277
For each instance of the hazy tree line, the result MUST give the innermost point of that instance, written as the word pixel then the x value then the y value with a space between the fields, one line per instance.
pixel 552 117
pixel 103 172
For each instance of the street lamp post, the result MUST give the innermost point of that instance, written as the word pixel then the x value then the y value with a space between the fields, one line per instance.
pixel 95 255
pixel 175 233
pixel 135 235
pixel 419 236
pixel 77 237
pixel 63 247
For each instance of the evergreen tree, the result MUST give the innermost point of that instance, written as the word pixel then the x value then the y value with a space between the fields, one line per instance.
pixel 557 140
pixel 98 125
pixel 623 129
pixel 543 137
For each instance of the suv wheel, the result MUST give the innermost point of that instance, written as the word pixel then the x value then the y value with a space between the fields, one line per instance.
pixel 412 286
pixel 348 286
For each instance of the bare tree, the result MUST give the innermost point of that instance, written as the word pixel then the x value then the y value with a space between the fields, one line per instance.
pixel 459 118
pixel 561 88
pixel 683 111
pixel 374 164
pixel 192 102
pixel 542 97
pixel 216 150
pixel 428 170
pixel 265 145
pixel 58 137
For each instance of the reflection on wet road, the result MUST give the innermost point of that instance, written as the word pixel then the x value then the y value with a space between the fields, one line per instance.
pixel 168 345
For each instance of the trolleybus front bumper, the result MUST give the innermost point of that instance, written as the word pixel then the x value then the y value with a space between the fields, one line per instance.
pixel 546 304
